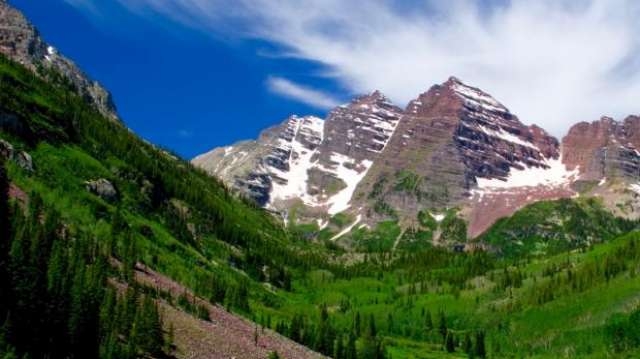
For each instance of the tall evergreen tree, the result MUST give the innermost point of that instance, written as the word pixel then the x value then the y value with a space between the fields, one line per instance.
pixel 428 321
pixel 449 343
pixel 467 345
pixel 442 325
pixel 5 240
pixel 357 325
pixel 350 351
pixel 479 349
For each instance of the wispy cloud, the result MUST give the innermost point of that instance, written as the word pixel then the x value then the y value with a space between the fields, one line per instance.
pixel 85 5
pixel 554 62
pixel 301 93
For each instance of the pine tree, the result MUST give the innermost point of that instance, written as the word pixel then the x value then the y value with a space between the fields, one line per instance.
pixel 338 353
pixel 442 325
pixel 449 343
pixel 356 325
pixel 5 240
pixel 350 350
pixel 480 350
pixel 373 331
pixel 467 346
pixel 325 336
pixel 428 321
pixel 255 335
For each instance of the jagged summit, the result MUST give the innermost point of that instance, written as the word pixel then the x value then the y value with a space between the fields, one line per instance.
pixel 21 42
pixel 452 146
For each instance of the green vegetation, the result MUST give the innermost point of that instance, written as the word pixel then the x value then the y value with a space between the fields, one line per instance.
pixel 55 299
pixel 563 281
pixel 551 227
pixel 407 181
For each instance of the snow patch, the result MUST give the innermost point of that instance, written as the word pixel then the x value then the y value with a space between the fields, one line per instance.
pixel 477 98
pixel 509 137
pixel 555 175
pixel 351 173
pixel 348 229
pixel 322 224
pixel 635 187
pixel 437 216
pixel 299 160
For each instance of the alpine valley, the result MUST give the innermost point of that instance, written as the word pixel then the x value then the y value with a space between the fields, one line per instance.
pixel 445 229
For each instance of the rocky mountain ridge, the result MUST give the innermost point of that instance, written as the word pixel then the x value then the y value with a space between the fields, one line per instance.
pixel 454 146
pixel 21 42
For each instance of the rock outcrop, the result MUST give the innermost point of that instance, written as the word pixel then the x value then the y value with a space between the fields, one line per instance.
pixel 21 158
pixel 24 160
pixel 606 154
pixel 21 42
pixel 102 188
pixel 6 150
pixel 604 149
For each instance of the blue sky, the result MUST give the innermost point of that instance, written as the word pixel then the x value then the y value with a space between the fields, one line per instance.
pixel 194 74
pixel 176 86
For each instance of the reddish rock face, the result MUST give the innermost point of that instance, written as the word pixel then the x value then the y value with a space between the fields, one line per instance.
pixel 447 138
pixel 604 148
pixel 454 146
pixel 360 129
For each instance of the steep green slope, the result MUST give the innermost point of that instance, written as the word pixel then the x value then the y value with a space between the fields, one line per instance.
pixel 165 200
pixel 165 214
pixel 550 227
pixel 563 281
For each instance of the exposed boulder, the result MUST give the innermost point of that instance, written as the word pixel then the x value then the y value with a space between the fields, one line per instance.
pixel 24 160
pixel 102 188
pixel 21 158
pixel 6 150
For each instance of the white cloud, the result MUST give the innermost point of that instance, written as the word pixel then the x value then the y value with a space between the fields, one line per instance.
pixel 553 62
pixel 301 93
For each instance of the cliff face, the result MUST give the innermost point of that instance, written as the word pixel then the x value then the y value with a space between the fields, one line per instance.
pixel 307 163
pixel 21 42
pixel 604 149
pixel 606 155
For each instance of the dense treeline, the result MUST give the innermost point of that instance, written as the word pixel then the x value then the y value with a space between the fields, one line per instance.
pixel 556 226
pixel 339 343
pixel 564 279
pixel 55 299
pixel 623 331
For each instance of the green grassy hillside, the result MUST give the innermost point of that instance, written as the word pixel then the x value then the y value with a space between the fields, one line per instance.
pixel 562 282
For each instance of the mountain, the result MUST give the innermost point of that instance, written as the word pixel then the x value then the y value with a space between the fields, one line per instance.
pixel 606 154
pixel 454 146
pixel 307 167
pixel 112 248
pixel 21 42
